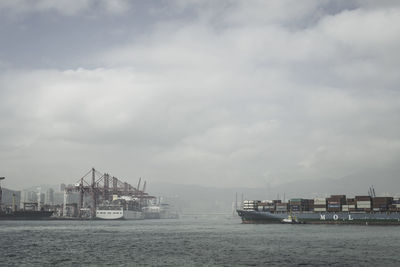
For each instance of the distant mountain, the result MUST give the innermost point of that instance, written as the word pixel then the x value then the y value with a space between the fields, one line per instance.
pixel 199 199
pixel 384 182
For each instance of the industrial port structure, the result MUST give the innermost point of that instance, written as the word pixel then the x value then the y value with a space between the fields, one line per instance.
pixel 95 195
pixel 102 188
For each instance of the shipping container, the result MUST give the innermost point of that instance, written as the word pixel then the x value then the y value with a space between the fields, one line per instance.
pixel 333 209
pixel 363 198
pixel 338 196
pixel 319 209
pixel 363 202
pixel 351 201
pixel 333 202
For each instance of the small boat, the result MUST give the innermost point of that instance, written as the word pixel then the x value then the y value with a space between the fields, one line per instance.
pixel 291 220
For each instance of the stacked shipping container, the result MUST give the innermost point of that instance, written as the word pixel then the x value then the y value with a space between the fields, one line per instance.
pixel 335 203
pixel 381 203
pixel 395 205
pixel 319 204
pixel 351 204
pixel 281 207
pixel 250 204
pixel 363 203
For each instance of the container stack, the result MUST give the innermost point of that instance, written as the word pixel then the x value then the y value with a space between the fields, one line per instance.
pixel 319 204
pixel 251 204
pixel 297 204
pixel 308 204
pixel 363 203
pixel 395 206
pixel 381 203
pixel 351 204
pixel 335 203
pixel 266 205
pixel 345 207
pixel 281 207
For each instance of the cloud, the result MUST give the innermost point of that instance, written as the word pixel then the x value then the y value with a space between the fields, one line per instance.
pixel 234 94
pixel 64 7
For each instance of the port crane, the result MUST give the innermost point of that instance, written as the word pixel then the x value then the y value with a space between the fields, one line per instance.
pixel 102 187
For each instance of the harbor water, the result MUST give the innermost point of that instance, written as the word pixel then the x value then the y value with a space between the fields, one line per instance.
pixel 214 240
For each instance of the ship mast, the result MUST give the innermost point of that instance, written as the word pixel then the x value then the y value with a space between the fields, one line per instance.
pixel 1 192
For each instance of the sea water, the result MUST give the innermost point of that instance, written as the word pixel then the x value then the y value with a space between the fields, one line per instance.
pixel 213 240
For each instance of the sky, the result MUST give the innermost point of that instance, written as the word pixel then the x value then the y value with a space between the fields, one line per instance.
pixel 211 93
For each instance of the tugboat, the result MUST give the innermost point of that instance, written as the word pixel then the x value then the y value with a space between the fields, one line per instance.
pixel 290 220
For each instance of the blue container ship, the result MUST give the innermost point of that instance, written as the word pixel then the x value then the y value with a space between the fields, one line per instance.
pixel 337 209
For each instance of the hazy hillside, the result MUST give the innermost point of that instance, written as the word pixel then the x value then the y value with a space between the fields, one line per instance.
pixel 198 199
pixel 201 199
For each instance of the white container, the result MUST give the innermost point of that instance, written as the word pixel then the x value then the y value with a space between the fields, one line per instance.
pixel 345 209
pixel 363 202
pixel 319 201
pixel 366 204
pixel 352 206
pixel 363 207
pixel 319 209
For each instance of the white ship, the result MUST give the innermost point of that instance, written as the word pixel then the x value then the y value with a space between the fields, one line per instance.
pixel 124 207
pixel 160 211
pixel 131 208
pixel 110 212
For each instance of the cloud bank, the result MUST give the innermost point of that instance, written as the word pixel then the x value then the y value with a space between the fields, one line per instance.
pixel 232 93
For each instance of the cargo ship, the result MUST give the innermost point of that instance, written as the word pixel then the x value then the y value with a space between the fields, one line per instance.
pixel 337 209
pixel 11 213
pixel 124 207
pixel 26 215
pixel 128 208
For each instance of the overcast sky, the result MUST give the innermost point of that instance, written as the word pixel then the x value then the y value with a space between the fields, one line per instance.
pixel 215 93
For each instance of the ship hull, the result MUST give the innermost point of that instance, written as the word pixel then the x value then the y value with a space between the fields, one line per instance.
pixel 118 214
pixel 250 216
pixel 27 215
pixel 103 214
